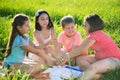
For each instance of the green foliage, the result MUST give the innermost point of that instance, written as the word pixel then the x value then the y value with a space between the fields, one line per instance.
pixel 4 31
pixel 2 55
pixel 111 75
pixel 108 10
pixel 14 75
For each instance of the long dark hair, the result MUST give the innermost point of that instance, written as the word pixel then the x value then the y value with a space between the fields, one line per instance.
pixel 38 13
pixel 18 20
pixel 95 22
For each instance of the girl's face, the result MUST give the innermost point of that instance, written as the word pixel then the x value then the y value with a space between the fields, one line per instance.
pixel 43 20
pixel 24 28
pixel 69 29
pixel 86 27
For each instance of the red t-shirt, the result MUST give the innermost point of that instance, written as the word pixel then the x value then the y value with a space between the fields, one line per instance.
pixel 104 46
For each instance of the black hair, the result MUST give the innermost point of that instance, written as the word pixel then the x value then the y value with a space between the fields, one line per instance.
pixel 95 22
pixel 37 25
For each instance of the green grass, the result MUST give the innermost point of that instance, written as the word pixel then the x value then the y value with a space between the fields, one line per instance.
pixel 111 75
pixel 107 9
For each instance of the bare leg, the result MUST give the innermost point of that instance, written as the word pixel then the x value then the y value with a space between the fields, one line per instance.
pixel 53 51
pixel 97 76
pixel 49 60
pixel 98 68
pixel 29 68
pixel 84 61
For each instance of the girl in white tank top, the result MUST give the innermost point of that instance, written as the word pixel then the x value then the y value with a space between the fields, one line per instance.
pixel 44 35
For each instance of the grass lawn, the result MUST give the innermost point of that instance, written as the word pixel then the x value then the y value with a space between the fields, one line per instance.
pixel 107 9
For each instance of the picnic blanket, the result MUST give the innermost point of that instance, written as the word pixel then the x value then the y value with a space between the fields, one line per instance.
pixel 65 72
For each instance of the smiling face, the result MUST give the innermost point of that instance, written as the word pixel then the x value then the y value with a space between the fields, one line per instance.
pixel 69 29
pixel 43 20
pixel 24 28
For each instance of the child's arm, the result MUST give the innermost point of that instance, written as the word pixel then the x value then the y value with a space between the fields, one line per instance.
pixel 40 53
pixel 77 51
pixel 53 36
pixel 34 50
pixel 84 53
pixel 83 47
pixel 31 43
pixel 55 43
pixel 78 42
pixel 53 33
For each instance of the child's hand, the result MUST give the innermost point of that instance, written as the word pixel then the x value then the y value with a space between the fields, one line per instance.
pixel 51 61
pixel 61 60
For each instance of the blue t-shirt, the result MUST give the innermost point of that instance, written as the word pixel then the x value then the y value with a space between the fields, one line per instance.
pixel 17 54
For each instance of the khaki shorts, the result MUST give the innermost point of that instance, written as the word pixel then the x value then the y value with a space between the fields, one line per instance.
pixel 115 63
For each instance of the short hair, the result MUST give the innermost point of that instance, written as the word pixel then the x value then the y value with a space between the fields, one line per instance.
pixel 95 22
pixel 66 20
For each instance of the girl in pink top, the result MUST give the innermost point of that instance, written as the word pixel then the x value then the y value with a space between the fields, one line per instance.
pixel 104 46
pixel 107 53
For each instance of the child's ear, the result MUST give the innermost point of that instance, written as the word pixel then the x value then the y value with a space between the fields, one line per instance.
pixel 18 28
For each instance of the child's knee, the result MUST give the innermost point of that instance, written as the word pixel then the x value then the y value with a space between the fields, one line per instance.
pixel 115 63
pixel 93 69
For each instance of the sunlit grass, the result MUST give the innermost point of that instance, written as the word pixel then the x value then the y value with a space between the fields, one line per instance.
pixel 107 9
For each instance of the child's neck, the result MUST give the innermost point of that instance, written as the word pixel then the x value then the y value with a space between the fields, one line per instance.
pixel 44 29
pixel 69 36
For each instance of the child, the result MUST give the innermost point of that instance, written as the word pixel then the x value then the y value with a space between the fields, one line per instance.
pixel 19 43
pixel 44 34
pixel 107 53
pixel 69 38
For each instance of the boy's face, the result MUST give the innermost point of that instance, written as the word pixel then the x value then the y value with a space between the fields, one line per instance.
pixel 69 29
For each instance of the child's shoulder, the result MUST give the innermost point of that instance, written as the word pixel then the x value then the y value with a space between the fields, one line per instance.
pixel 36 32
pixel 77 33
pixel 62 33
pixel 20 38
